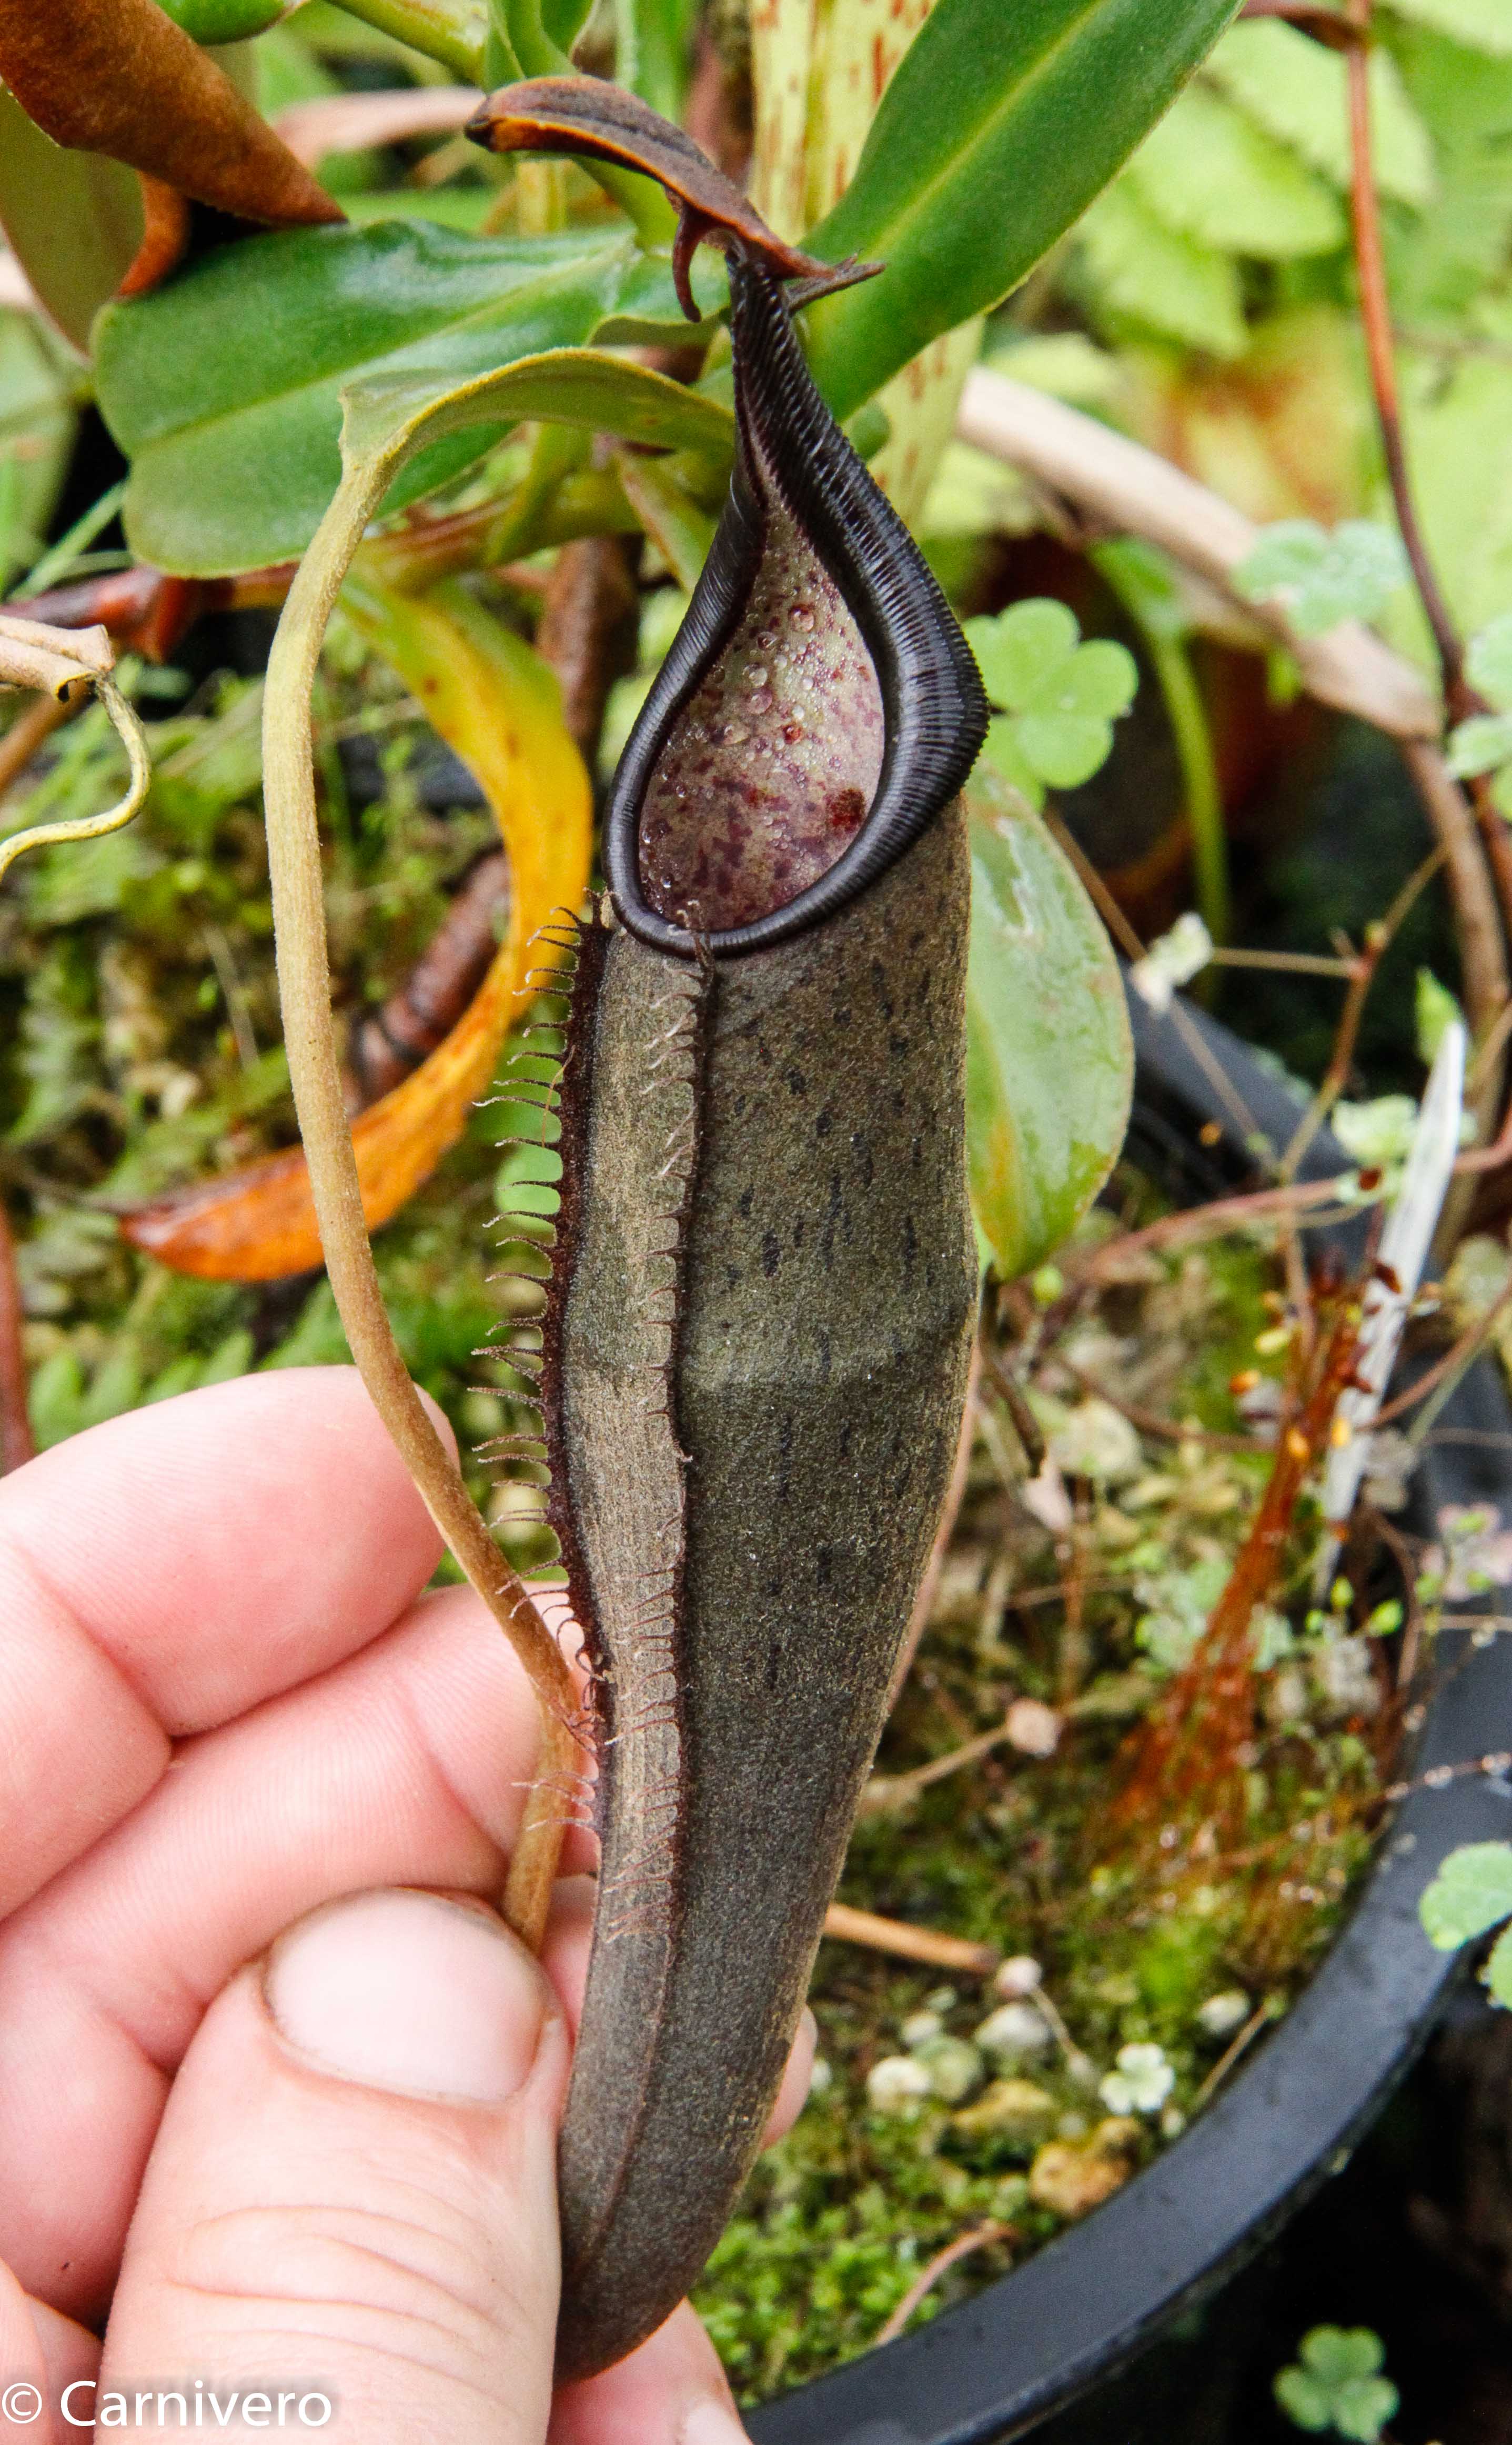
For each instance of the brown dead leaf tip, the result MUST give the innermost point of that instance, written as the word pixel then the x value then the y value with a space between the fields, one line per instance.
pixel 598 122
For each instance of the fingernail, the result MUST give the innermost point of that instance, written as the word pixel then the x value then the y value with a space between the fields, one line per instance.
pixel 407 1992
pixel 712 2424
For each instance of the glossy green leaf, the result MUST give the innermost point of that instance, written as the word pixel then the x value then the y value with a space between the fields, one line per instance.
pixel 995 134
pixel 224 388
pixel 1049 1061
pixel 1472 1893
pixel 74 220
pixel 1498 1972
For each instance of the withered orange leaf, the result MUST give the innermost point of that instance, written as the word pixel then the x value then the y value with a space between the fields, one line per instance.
pixel 119 77
pixel 498 705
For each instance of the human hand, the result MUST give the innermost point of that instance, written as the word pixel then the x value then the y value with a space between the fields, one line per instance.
pixel 323 2172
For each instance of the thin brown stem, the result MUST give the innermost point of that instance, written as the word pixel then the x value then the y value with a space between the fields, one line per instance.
pixel 1208 1222
pixel 1231 2055
pixel 1363 968
pixel 16 1441
pixel 978 2238
pixel 907 1943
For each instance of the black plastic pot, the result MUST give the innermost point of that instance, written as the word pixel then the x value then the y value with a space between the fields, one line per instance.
pixel 1000 2364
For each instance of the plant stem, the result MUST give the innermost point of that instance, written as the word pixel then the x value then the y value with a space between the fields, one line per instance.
pixel 1187 715
pixel 905 1943
pixel 447 31
pixel 978 2238
pixel 294 864
pixel 1369 266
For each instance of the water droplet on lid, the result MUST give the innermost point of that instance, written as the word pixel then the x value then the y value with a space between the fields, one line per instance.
pixel 757 674
pixel 734 735
pixel 802 616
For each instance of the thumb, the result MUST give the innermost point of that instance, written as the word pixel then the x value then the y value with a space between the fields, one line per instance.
pixel 350 2208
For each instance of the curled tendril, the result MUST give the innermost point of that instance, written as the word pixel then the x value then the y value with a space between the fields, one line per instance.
pixel 82 828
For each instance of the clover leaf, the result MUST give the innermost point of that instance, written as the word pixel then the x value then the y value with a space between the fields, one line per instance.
pixel 1321 577
pixel 1481 744
pixel 1057 699
pixel 1142 2082
pixel 1472 1891
pixel 1335 2382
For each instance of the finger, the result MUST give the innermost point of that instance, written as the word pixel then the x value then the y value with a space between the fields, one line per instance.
pixel 353 2194
pixel 406 1764
pixel 42 2357
pixel 165 1570
pixel 671 2392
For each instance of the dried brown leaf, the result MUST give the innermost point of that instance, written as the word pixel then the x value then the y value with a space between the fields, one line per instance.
pixel 119 77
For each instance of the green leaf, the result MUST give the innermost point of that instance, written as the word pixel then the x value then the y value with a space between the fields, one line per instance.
pixel 1143 271
pixel 1481 744
pixel 1021 649
pixel 1441 262
pixel 1049 1063
pixel 1435 1010
pixel 223 21
pixel 1064 749
pixel 1457 419
pixel 1303 2399
pixel 1471 1892
pixel 1323 577
pixel 224 387
pixel 1339 2355
pixel 1064 695
pixel 1001 750
pixel 1488 661
pixel 653 50
pixel 1498 1971
pixel 994 135
pixel 1480 24
pixel 1208 171
pixel 37 419
pixel 1293 89
pixel 1334 2384
pixel 74 220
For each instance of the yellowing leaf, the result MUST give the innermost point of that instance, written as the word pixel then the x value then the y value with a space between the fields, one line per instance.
pixel 495 702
